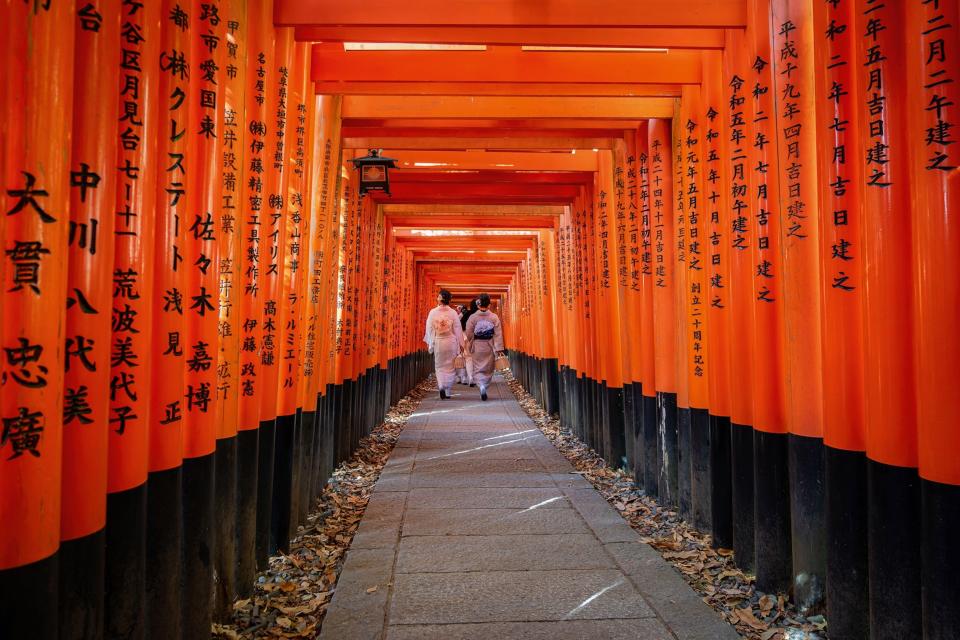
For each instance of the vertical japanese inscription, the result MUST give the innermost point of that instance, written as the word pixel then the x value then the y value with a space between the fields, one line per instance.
pixel 134 224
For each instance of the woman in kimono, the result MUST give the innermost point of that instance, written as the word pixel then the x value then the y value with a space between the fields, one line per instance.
pixel 444 336
pixel 484 340
pixel 467 356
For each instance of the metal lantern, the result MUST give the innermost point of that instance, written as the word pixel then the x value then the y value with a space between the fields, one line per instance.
pixel 374 172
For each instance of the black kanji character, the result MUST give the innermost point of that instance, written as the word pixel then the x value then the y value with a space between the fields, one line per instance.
pixel 76 406
pixel 27 196
pixel 23 432
pixel 22 356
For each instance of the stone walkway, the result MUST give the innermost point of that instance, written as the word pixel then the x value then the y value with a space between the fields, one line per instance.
pixel 478 528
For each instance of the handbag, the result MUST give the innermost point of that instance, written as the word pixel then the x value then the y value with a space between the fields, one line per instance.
pixel 501 362
pixel 459 362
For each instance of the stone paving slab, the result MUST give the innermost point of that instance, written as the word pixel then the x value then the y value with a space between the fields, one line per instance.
pixel 460 522
pixel 441 598
pixel 638 629
pixel 479 528
pixel 483 498
pixel 438 479
pixel 432 554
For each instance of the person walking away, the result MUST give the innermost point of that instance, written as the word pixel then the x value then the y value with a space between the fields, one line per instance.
pixel 485 341
pixel 467 356
pixel 444 336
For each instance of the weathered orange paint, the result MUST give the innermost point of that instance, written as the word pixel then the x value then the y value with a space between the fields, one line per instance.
pixel 202 252
pixel 647 263
pixel 229 238
pixel 663 246
pixel 133 288
pixel 889 355
pixel 254 220
pixel 764 238
pixel 696 293
pixel 715 208
pixel 936 233
pixel 167 347
pixel 273 229
pixel 37 149
pixel 90 264
pixel 793 70
pixel 741 217
pixel 840 188
pixel 294 265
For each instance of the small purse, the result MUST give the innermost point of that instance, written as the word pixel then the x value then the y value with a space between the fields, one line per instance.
pixel 459 362
pixel 501 363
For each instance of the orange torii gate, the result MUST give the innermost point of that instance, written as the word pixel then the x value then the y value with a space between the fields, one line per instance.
pixel 725 253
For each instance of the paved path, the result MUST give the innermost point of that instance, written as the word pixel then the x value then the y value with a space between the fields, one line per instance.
pixel 478 528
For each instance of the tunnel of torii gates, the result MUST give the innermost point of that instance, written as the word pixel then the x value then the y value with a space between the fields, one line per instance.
pixel 722 235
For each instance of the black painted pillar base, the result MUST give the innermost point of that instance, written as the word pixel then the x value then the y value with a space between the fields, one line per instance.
pixel 225 530
pixel 617 430
pixel 684 463
pixel 651 466
pixel 848 607
pixel 635 430
pixel 199 476
pixel 248 445
pixel 125 580
pixel 81 587
pixel 267 433
pixel 553 386
pixel 809 526
pixel 700 473
pixel 629 435
pixel 282 484
pixel 893 547
pixel 741 464
pixel 940 505
pixel 165 546
pixel 296 469
pixel 667 449
pixel 308 465
pixel 22 613
pixel 771 499
pixel 721 483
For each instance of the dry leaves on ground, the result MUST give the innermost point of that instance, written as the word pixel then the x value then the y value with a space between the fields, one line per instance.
pixel 711 572
pixel 291 597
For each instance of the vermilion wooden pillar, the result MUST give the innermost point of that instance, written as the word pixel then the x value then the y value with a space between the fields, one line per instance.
pixel 205 139
pixel 87 382
pixel 771 484
pixel 681 277
pixel 933 47
pixel 840 189
pixel 35 195
pixel 715 205
pixel 793 72
pixel 883 151
pixel 696 305
pixel 647 324
pixel 741 217
pixel 253 119
pixel 229 241
pixel 133 296
pixel 664 303
pixel 167 349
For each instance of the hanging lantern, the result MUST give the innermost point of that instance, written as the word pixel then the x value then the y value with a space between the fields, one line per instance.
pixel 374 172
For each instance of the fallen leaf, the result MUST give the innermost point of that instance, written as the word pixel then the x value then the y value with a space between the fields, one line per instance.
pixel 746 616
pixel 372 589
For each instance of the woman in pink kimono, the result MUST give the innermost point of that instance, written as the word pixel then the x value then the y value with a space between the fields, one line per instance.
pixel 443 336
pixel 484 341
